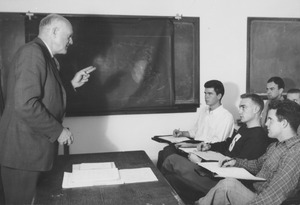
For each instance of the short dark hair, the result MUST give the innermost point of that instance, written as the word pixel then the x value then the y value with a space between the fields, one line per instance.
pixel 293 90
pixel 278 81
pixel 288 110
pixel 256 99
pixel 216 85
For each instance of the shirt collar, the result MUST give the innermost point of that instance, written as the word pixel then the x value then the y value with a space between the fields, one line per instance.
pixel 48 48
pixel 290 142
pixel 215 110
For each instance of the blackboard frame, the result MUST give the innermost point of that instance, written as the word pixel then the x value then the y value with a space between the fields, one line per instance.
pixel 275 53
pixel 184 96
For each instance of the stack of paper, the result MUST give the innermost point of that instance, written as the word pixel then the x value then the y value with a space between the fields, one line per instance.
pixel 91 174
pixel 101 165
pixel 104 173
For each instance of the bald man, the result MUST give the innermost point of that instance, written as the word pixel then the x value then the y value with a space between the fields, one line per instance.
pixel 35 104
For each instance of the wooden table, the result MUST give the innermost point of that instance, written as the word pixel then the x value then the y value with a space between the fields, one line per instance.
pixel 50 189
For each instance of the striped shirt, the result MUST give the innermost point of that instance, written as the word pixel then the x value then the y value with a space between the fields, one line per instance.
pixel 280 166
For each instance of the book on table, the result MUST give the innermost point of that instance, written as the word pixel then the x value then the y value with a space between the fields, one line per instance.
pixel 105 173
pixel 232 172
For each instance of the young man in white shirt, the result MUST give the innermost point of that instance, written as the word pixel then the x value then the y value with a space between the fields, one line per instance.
pixel 215 123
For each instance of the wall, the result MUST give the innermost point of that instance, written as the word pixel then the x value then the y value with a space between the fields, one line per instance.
pixel 223 43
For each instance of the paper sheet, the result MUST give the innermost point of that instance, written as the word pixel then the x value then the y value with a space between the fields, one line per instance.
pixel 97 165
pixel 175 139
pixel 68 182
pixel 96 174
pixel 137 175
pixel 233 172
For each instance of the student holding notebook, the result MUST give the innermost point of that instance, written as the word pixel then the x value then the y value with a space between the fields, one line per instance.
pixel 249 142
pixel 214 123
pixel 280 165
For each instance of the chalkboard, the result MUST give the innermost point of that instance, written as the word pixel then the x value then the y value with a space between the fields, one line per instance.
pixel 143 64
pixel 273 50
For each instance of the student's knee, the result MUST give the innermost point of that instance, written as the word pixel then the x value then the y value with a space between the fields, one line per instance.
pixel 229 184
pixel 167 165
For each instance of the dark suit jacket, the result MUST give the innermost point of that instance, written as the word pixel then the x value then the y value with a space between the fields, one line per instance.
pixel 34 109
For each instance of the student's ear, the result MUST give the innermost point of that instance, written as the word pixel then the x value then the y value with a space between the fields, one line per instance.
pixel 285 123
pixel 281 91
pixel 219 96
pixel 256 109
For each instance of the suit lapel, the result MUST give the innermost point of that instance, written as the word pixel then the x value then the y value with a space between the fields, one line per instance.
pixel 54 66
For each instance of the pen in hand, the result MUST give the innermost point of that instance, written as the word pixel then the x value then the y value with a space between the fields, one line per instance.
pixel 177 133
pixel 224 163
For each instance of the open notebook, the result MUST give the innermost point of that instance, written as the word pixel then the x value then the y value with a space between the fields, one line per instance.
pixel 233 172
pixel 105 173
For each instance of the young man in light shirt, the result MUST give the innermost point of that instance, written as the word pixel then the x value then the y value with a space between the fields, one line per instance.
pixel 214 124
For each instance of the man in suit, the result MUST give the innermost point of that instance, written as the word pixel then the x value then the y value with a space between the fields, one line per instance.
pixel 34 109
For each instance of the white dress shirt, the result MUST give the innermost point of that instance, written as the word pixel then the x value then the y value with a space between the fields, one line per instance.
pixel 213 126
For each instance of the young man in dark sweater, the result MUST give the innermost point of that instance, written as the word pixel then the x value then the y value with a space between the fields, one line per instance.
pixel 249 142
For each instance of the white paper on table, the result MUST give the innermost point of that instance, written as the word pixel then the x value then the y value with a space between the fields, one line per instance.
pixel 233 172
pixel 137 175
pixel 95 175
pixel 173 139
pixel 97 165
pixel 68 182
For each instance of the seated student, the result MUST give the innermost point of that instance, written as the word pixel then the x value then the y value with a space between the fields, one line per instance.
pixel 249 142
pixel 280 165
pixel 214 124
pixel 275 88
pixel 293 95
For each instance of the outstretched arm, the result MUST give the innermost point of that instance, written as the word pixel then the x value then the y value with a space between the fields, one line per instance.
pixel 82 76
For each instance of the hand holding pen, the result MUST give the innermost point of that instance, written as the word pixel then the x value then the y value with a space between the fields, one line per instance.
pixel 203 147
pixel 177 133
pixel 227 162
